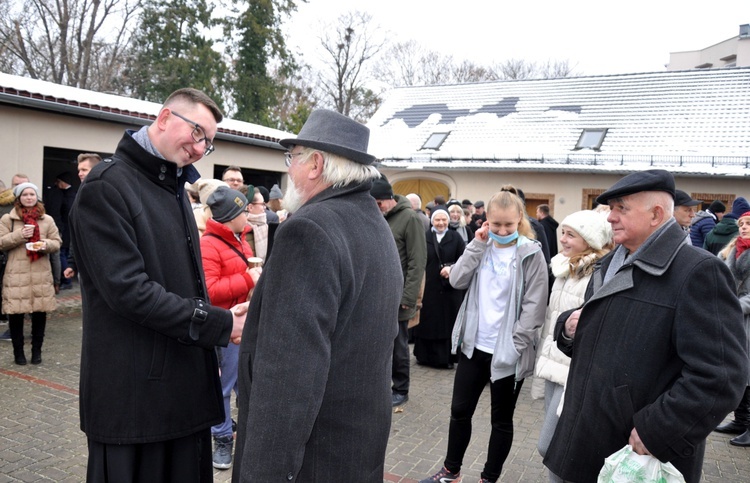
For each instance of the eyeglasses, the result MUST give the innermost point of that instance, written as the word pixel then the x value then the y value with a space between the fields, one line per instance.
pixel 288 156
pixel 233 180
pixel 198 134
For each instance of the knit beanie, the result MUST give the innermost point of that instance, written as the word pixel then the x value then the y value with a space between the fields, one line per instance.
pixel 381 189
pixel 264 193
pixel 226 204
pixel 739 206
pixel 19 189
pixel 275 193
pixel 593 227
pixel 717 206
pixel 205 186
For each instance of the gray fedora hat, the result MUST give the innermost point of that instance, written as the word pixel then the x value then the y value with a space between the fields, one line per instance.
pixel 334 133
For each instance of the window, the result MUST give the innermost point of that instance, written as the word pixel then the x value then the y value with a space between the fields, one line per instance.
pixel 591 139
pixel 435 140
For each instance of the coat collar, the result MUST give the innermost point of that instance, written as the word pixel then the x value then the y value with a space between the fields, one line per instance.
pixel 332 192
pixel 158 170
pixel 654 259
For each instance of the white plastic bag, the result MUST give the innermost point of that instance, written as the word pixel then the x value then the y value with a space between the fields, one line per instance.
pixel 627 466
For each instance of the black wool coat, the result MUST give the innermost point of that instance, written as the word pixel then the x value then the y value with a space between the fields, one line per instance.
pixel 651 353
pixel 148 372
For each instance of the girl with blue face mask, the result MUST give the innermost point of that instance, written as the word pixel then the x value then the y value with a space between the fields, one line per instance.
pixel 505 275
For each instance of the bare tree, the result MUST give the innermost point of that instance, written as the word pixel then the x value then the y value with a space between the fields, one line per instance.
pixel 556 69
pixel 408 64
pixel 469 72
pixel 349 49
pixel 518 69
pixel 78 43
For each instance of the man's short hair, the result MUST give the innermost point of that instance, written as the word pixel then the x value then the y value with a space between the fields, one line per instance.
pixel 195 96
pixel 439 200
pixel 93 157
pixel 544 208
pixel 231 168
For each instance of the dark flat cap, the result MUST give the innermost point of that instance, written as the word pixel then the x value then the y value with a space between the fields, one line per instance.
pixel 479 204
pixel 650 180
pixel 683 199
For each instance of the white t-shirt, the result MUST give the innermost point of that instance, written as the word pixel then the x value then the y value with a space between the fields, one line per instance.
pixel 493 285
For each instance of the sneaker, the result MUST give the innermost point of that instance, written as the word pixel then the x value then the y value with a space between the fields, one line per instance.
pixel 442 476
pixel 223 452
pixel 5 335
pixel 398 399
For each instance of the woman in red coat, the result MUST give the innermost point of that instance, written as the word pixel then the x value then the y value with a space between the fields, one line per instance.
pixel 229 280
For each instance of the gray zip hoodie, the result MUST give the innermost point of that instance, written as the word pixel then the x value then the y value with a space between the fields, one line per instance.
pixel 517 340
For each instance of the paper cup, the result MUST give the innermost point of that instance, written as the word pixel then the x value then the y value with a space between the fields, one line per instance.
pixel 255 262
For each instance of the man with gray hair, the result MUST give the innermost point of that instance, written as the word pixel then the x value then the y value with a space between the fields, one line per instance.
pixel 315 357
pixel 652 365
pixel 416 205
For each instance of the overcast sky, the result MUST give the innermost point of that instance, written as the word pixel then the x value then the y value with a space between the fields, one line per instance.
pixel 595 37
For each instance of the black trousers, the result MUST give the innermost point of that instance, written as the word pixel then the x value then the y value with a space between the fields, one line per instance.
pixel 182 460
pixel 400 364
pixel 472 375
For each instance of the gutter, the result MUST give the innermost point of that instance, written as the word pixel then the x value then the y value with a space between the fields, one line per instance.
pixel 125 117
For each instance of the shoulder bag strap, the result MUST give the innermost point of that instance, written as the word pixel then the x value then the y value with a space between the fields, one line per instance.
pixel 241 255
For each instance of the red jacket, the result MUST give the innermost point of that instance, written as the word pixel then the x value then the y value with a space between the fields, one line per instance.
pixel 226 274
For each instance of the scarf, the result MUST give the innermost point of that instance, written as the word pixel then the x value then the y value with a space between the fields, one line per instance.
pixel 260 234
pixel 30 217
pixel 742 245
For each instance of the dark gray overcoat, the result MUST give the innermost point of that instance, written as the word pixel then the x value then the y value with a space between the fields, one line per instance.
pixel 315 357
pixel 660 347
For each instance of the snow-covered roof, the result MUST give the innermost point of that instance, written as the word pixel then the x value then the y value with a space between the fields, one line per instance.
pixel 47 95
pixel 696 122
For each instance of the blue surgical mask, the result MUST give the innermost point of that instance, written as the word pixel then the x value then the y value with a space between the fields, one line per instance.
pixel 504 240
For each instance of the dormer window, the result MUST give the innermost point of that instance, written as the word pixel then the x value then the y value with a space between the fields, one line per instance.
pixel 435 140
pixel 591 139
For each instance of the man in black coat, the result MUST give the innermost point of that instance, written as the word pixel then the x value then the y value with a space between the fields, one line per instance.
pixel 150 388
pixel 652 365
pixel 315 359
pixel 550 227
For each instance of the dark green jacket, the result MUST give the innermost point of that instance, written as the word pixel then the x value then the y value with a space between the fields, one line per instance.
pixel 721 234
pixel 409 234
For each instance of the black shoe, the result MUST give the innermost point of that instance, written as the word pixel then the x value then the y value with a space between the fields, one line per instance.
pixel 732 427
pixel 398 399
pixel 36 357
pixel 741 440
pixel 20 358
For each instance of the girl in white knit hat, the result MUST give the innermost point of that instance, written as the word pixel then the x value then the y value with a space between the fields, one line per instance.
pixel 585 237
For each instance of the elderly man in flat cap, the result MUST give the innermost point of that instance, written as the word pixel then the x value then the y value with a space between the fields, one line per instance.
pixel 315 356
pixel 652 365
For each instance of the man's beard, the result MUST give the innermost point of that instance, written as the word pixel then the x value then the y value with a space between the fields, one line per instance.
pixel 293 197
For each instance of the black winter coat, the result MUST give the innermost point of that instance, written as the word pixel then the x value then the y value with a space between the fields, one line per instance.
pixel 148 372
pixel 650 354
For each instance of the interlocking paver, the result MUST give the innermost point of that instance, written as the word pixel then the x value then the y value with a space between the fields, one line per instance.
pixel 40 439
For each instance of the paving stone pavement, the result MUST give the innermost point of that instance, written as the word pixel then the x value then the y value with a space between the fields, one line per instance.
pixel 40 439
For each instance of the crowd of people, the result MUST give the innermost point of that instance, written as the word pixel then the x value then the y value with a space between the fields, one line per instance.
pixel 314 341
